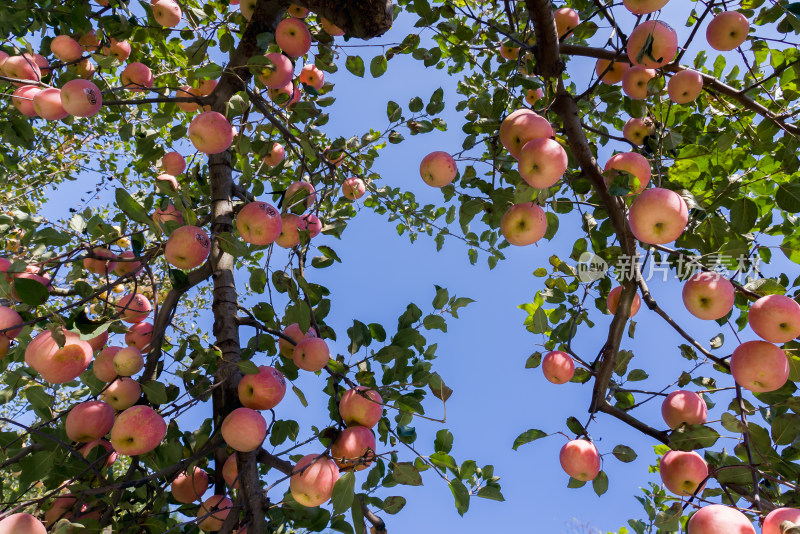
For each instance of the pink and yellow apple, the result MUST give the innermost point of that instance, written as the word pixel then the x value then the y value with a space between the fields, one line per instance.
pixel 312 480
pixel 108 451
pixel 244 429
pixel 522 126
pixel 262 391
pixel 361 406
pixel 580 460
pixel 353 188
pixel 213 511
pixel 103 366
pixel 708 295
pixel 10 322
pixel 354 448
pixel 190 485
pixel 311 224
pixel 613 300
pixel 58 365
pixel 634 82
pixel 99 266
pixel 47 104
pixel 438 169
pixel 311 354
pixel 299 196
pixel 291 91
pixel 166 12
pixel 210 132
pixel 173 163
pixel 122 393
pixel 259 223
pixel 275 155
pixel 727 30
pixel 289 237
pixel 279 73
pixel 140 335
pixel 685 86
pixel 187 247
pixel 170 213
pixel 652 44
pixel 293 37
pixel 523 224
pixel 759 366
pixel 630 162
pixel 65 48
pixel 532 96
pixel 542 162
pixel 684 407
pixel 775 318
pixel 683 472
pixel 558 367
pixel 567 19
pixel 89 421
pixel 138 430
pixel 658 216
pixel 21 523
pixel 610 73
pixel 635 130
pixel 312 76
pixel 293 332
pixel 137 77
pixel 330 28
pixel 134 307
pixel 719 519
pixel 128 361
pixel 643 7
pixel 774 519
pixel 22 68
pixel 230 472
pixel 81 98
pixel 125 267
pixel 22 98
pixel 119 49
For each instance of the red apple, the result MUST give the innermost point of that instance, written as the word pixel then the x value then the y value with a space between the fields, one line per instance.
pixel 353 188
pixel 187 247
pixel 522 126
pixel 22 98
pixel 170 213
pixel 21 523
pixel 558 367
pixel 361 406
pixel 210 132
pixel 643 7
pixel 610 73
pixel 138 430
pixel 567 19
pixel 89 421
pixel 613 299
pixel 438 169
pixel 103 366
pixel 775 318
pixel 279 73
pixel 119 49
pixel 658 216
pixel 311 354
pixel 167 13
pixel 312 480
pixel 759 366
pixel 684 407
pixel 354 448
pixel 98 266
pixel 299 196
pixel 708 295
pixel 173 163
pixel 134 307
pixel 311 224
pixel 727 30
pixel 523 224
pixel 58 365
pixel 685 86
pixel 634 82
pixel 652 44
pixel 10 322
pixel 108 451
pixel 137 77
pixel 719 519
pixel 47 104
pixel 244 429
pixel 262 391
pixel 230 472
pixel 683 472
pixel 275 155
pixel 291 225
pixel 293 332
pixel 81 98
pixel 580 460
pixel 772 523
pixel 312 76
pixel 542 162
pixel 122 393
pixel 293 37
pixel 190 485
pixel 140 335
pixel 65 48
pixel 630 162
pixel 212 513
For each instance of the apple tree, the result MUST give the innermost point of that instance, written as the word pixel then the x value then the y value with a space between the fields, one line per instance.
pixel 200 129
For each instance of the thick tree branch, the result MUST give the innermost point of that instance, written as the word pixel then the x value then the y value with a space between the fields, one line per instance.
pixel 364 19
pixel 548 62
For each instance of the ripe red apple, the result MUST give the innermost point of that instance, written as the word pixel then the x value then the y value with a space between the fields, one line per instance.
pixel 119 49
pixel 759 366
pixel 167 13
pixel 580 460
pixel 522 126
pixel 558 367
pixel 275 155
pixel 684 407
pixel 311 354
pixel 134 307
pixel 708 295
pixel 772 523
pixel 213 511
pixel 775 318
pixel 630 162
pixel 312 76
pixel 185 91
pixel 187 247
pixel 47 104
pixel 719 519
pixel 99 341
pixel 103 366
pixel 634 82
pixel 9 321
pixel 83 69
pixel 353 188
pixel 299 196
pixel 509 52
pixel 334 156
pixel 137 77
pixel 58 365
pixel 264 390
pixel 567 19
pixel 643 7
pixel 354 448
pixel 438 169
pixel 297 11
pixel 361 406
pixel 125 267
pixel 727 30
pixel 291 225
pixel 230 472
pixel 259 223
pixel 89 41
pixel 210 132
pixel 5 345
pixel 330 28
pixel 685 86
pixel 173 163
pixel 108 451
pixel 683 472
pixel 652 44
pixel 312 480
pixel 81 98
pixel 635 130
pixel 523 224
pixel 279 73
pixel 89 421
pixel 542 162
pixel 311 224
pixel 293 37
pixel 610 73
pixel 190 485
pixel 244 429
pixel 138 430
pixel 22 68
pixel 658 216
pixel 140 336
pixel 65 48
pixel 291 91
pixel 122 393
pixel 166 183
pixel 128 361
pixel 533 95
pixel 293 331
pixel 22 99
pixel 21 524
pixel 98 266
pixel 170 213
pixel 613 299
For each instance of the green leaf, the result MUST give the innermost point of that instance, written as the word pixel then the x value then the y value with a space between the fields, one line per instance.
pixel 533 361
pixel 461 495
pixel 355 65
pixel 441 298
pixel 669 520
pixel 40 401
pixel 393 111
pixel 300 396
pixel 744 213
pixel 406 473
pixel 491 492
pixel 600 483
pixel 526 437
pixel 787 197
pixel 130 207
pixel 623 453
pixel 435 321
pixel 691 437
pixel 377 67
pixel 439 388
pixel 415 105
pixel 575 426
pixel 785 428
pixel 247 367
pixel 31 292
pixel 732 423
pixel 392 505
pixel 343 492
pixel 443 441
pixel 155 392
